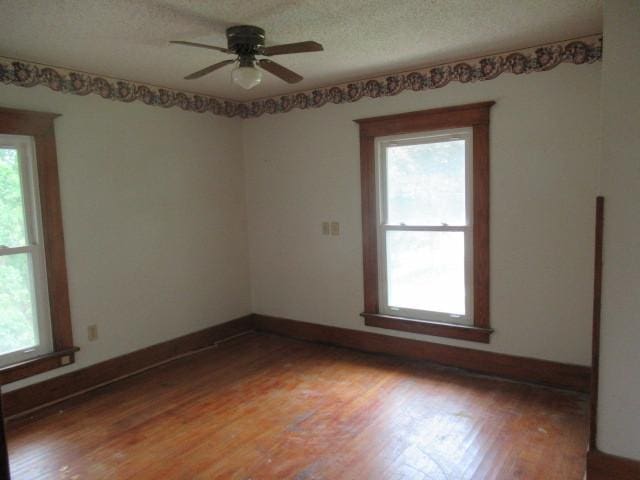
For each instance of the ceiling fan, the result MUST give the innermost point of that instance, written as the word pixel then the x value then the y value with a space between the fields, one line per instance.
pixel 247 41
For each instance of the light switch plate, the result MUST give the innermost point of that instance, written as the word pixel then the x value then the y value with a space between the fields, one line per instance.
pixel 335 228
pixel 326 229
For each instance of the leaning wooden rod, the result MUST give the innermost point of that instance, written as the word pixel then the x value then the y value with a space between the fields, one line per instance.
pixel 597 306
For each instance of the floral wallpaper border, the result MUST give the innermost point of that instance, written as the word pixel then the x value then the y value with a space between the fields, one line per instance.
pixel 535 59
pixel 24 74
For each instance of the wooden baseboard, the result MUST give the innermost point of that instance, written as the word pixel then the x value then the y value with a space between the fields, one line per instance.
pixel 602 466
pixel 567 376
pixel 572 377
pixel 63 386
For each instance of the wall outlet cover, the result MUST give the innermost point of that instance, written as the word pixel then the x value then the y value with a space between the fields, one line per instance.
pixel 92 333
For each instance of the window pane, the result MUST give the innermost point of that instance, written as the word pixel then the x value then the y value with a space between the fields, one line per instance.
pixel 12 221
pixel 425 271
pixel 18 324
pixel 426 184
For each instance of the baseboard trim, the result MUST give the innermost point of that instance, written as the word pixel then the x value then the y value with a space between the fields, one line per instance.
pixel 602 466
pixel 560 375
pixel 59 388
pixel 26 399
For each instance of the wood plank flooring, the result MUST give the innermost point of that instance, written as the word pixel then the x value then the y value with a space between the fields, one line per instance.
pixel 267 407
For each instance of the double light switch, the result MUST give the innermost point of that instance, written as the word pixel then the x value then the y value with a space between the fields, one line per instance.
pixel 331 228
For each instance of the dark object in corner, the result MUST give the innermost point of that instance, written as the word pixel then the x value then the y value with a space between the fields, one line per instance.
pixel 4 456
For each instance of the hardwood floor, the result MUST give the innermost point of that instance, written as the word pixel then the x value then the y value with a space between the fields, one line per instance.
pixel 267 407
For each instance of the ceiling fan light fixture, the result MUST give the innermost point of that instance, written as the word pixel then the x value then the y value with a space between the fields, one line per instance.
pixel 246 75
pixel 246 42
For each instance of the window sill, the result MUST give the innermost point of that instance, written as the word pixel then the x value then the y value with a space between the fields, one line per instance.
pixel 41 364
pixel 426 327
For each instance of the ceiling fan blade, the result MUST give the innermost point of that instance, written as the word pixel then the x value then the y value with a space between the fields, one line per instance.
pixel 280 71
pixel 201 45
pixel 209 69
pixel 298 47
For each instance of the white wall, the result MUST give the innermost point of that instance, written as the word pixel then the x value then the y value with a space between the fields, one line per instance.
pixel 619 405
pixel 303 168
pixel 156 226
pixel 154 220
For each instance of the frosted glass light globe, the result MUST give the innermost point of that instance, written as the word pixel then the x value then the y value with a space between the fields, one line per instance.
pixel 247 77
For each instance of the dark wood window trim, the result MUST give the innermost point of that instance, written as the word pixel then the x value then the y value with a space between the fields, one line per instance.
pixel 40 126
pixel 475 116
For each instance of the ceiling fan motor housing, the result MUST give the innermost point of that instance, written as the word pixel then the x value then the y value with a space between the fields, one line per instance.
pixel 245 39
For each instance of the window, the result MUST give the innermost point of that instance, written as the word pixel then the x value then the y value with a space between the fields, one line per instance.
pixel 25 327
pixel 425 206
pixel 424 225
pixel 35 323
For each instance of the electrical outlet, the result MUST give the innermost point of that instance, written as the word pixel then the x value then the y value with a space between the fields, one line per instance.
pixel 92 333
pixel 65 360
pixel 326 229
pixel 335 228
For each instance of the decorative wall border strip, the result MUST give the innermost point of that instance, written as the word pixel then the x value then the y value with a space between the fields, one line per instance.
pixel 25 74
pixel 534 59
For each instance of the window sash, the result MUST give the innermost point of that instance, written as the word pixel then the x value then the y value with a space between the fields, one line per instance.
pixel 381 145
pixel 385 308
pixel 425 138
pixel 34 248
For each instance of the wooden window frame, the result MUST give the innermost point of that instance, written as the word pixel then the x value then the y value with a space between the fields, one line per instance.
pixel 476 117
pixel 39 125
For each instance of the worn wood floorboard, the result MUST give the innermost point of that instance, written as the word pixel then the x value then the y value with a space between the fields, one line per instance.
pixel 267 407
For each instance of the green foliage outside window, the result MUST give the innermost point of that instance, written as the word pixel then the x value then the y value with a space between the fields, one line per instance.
pixel 16 306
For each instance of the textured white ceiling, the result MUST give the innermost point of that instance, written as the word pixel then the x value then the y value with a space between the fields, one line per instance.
pixel 128 38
